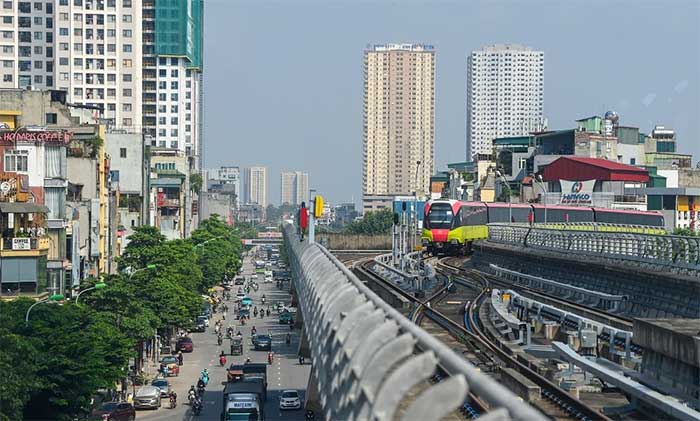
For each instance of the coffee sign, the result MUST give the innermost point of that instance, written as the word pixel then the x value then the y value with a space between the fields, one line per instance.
pixel 36 136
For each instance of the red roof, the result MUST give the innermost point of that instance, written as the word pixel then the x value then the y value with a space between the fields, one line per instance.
pixel 574 168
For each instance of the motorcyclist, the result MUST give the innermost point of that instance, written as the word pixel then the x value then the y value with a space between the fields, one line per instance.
pixel 247 360
pixel 253 331
pixel 173 399
pixel 200 387
pixel 239 333
pixel 255 311
pixel 222 359
pixel 270 357
pixel 191 394
pixel 179 358
pixel 268 312
pixel 220 338
pixel 288 339
pixel 197 406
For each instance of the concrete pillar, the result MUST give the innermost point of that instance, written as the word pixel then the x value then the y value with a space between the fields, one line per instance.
pixel 304 346
pixel 311 399
pixel 628 343
pixel 612 341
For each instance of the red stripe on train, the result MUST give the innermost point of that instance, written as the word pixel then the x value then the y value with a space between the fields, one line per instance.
pixel 440 235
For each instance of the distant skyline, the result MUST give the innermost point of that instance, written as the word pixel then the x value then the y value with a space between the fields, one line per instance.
pixel 283 86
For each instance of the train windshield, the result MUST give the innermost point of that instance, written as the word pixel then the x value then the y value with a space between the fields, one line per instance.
pixel 440 216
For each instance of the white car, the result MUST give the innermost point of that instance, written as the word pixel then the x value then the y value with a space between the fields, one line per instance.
pixel 240 296
pixel 289 399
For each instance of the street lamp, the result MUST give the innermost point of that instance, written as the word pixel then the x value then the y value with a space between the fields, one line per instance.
pixel 211 239
pixel 537 179
pixel 148 267
pixel 52 299
pixel 98 285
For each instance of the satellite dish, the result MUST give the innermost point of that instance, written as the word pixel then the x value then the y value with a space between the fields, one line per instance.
pixel 5 187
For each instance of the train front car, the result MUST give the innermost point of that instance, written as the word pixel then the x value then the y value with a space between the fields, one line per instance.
pixel 438 220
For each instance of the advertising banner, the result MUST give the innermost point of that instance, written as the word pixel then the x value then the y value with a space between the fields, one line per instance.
pixel 577 192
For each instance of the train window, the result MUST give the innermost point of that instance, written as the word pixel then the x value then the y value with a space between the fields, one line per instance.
pixel 440 216
pixel 473 215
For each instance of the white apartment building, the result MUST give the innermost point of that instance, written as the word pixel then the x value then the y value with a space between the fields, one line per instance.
pixel 226 176
pixel 177 105
pixel 255 186
pixel 399 119
pixel 98 56
pixel 505 91
pixel 294 188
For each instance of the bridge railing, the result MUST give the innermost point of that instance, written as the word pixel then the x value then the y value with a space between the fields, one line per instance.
pixel 367 357
pixel 679 254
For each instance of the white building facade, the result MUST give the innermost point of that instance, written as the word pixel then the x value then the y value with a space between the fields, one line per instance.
pixel 255 186
pixel 294 188
pixel 505 95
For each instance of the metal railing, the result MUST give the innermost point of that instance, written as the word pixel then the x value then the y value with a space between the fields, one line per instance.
pixel 668 252
pixel 367 357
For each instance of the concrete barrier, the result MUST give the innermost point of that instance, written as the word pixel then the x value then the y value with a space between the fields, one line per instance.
pixel 343 241
pixel 520 385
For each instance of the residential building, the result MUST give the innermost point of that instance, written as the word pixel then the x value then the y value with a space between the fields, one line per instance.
pixel 255 186
pixel 98 57
pixel 294 188
pixel 399 121
pixel 168 192
pixel 218 203
pixel 251 212
pixel 344 213
pixel 225 176
pixel 505 95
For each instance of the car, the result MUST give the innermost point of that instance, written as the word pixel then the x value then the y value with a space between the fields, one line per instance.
pixel 114 411
pixel 185 344
pixel 163 385
pixel 289 399
pixel 286 318
pixel 247 301
pixel 262 343
pixel 147 397
pixel 244 312
pixel 239 280
pixel 241 295
pixel 171 362
pixel 204 319
pixel 199 326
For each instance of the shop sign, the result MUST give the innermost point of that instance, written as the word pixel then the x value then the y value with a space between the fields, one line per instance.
pixel 21 244
pixel 36 137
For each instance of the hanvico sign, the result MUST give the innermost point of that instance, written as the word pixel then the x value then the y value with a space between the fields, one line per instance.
pixel 577 192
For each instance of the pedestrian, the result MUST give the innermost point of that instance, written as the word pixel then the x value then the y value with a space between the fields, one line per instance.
pixel 301 359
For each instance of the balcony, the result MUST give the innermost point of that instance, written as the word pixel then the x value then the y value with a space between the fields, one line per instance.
pixel 168 203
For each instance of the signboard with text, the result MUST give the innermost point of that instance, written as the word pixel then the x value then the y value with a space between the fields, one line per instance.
pixel 577 192
pixel 21 244
pixel 36 136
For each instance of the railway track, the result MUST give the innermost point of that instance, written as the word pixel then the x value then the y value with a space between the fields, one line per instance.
pixel 438 315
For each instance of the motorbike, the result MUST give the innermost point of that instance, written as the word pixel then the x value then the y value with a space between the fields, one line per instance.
pixel 222 360
pixel 268 312
pixel 309 415
pixel 219 340
pixel 288 340
pixel 270 358
pixel 262 314
pixel 173 400
pixel 200 390
pixel 197 406
pixel 191 396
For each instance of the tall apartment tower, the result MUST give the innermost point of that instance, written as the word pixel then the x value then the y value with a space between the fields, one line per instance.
pixel 255 186
pixel 294 188
pixel 399 119
pixel 505 94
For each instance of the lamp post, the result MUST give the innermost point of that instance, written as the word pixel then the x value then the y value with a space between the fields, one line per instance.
pixel 52 299
pixel 204 242
pixel 537 179
pixel 503 180
pixel 148 267
pixel 98 285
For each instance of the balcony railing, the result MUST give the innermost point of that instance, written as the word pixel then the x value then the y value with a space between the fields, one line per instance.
pixel 24 243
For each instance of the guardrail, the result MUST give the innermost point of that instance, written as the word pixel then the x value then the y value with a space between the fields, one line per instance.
pixel 670 252
pixel 367 357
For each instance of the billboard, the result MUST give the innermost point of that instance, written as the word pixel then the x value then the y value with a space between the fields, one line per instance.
pixel 577 192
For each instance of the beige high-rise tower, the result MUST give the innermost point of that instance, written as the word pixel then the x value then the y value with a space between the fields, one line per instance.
pixel 399 120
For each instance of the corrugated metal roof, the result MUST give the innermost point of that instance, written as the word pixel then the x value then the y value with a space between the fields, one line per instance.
pixel 604 163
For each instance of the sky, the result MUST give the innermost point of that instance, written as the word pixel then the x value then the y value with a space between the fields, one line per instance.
pixel 283 79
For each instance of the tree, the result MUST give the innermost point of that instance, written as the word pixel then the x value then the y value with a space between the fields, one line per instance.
pixel 142 246
pixel 68 352
pixel 196 182
pixel 685 232
pixel 274 215
pixel 218 247
pixel 378 222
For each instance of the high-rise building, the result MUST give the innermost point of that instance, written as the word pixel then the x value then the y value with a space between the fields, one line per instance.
pixel 294 188
pixel 504 95
pixel 255 186
pixel 399 119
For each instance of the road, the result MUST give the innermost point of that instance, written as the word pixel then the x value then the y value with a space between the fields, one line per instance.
pixel 285 372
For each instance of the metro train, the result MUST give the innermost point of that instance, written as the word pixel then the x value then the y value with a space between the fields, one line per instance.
pixel 450 226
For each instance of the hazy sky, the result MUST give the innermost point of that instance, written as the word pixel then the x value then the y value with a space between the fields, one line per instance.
pixel 283 79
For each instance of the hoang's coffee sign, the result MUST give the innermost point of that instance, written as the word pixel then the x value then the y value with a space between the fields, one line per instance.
pixel 577 192
pixel 36 136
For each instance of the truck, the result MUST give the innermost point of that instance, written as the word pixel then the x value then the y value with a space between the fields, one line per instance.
pixel 244 401
pixel 248 371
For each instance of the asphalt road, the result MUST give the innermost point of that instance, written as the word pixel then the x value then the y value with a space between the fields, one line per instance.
pixel 285 372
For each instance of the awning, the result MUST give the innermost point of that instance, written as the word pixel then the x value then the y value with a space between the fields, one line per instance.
pixel 22 207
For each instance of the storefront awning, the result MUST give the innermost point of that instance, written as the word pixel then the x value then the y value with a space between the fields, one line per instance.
pixel 22 207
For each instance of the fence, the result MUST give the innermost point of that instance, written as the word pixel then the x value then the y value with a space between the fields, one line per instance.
pixel 676 253
pixel 367 357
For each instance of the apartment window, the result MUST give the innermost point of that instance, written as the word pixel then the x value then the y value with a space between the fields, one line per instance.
pixel 127 19
pixel 49 23
pixel 111 3
pixel 77 17
pixel 126 33
pixel 127 63
pixel 188 95
pixel 111 33
pixel 162 120
pixel 77 47
pixel 24 22
pixel 7 78
pixel 78 77
pixel 63 61
pixel 174 144
pixel 173 73
pixel 38 20
pixel 49 7
pixel 51 118
pixel 111 92
pixel 63 2
pixel 188 84
pixel 188 106
pixel 38 35
pixel 173 108
pixel 173 61
pixel 111 18
pixel 7 5
pixel 49 64
pixel 173 84
pixel 25 36
pixel 78 62
pixel 16 160
pixel 78 32
pixel 78 92
pixel 122 152
pixel 7 19
pixel 112 107
pixel 24 7
pixel 162 61
pixel 111 48
pixel 126 77
pixel 25 66
pixel 126 122
pixel 126 92
pixel 38 64
pixel 173 132
pixel 126 107
pixel 63 76
pixel 162 109
pixel 49 81
pixel 7 34
pixel 161 72
pixel 126 3
pixel 188 128
pixel 173 96
pixel 162 133
pixel 173 120
pixel 126 48
pixel 162 85
pixel 162 97
pixel 77 2
pixel 8 63
pixel 38 79
pixel 63 46
pixel 64 32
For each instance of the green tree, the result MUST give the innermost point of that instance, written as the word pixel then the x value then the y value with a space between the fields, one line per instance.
pixel 218 246
pixel 196 182
pixel 685 232
pixel 142 247
pixel 378 222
